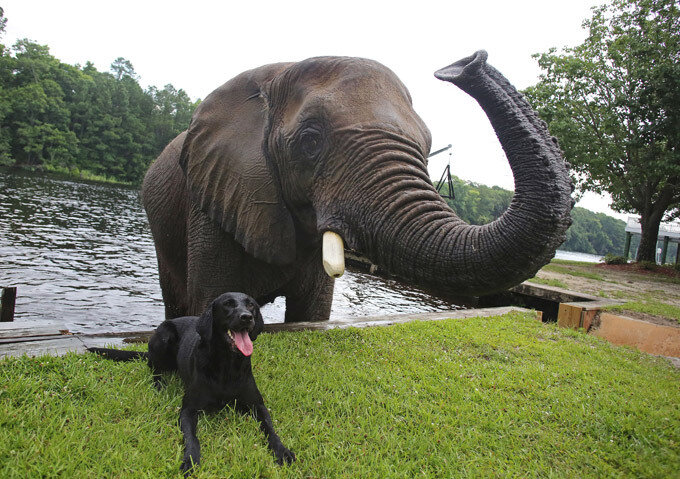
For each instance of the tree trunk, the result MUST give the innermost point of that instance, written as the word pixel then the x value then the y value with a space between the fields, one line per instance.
pixel 649 222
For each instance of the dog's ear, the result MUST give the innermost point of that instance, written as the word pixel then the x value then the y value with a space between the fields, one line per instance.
pixel 259 324
pixel 204 326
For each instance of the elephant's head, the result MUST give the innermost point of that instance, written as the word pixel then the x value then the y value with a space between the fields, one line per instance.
pixel 283 153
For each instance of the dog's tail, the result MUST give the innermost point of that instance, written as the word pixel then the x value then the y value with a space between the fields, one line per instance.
pixel 118 354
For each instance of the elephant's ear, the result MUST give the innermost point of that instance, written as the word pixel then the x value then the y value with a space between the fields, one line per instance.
pixel 227 171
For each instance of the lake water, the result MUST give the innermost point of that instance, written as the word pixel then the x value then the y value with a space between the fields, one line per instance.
pixel 576 256
pixel 81 254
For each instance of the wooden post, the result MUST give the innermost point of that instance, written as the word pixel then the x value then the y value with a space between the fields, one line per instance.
pixel 664 250
pixel 626 249
pixel 9 296
pixel 569 316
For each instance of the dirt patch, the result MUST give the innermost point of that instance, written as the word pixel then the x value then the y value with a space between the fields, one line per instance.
pixel 668 271
pixel 621 282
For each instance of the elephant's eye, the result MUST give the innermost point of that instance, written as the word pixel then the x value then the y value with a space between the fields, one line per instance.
pixel 310 143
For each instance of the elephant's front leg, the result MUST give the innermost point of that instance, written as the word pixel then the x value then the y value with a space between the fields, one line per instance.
pixel 310 294
pixel 217 263
pixel 214 262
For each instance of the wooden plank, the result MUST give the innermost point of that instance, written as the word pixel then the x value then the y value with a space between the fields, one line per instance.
pixel 51 347
pixel 7 303
pixel 22 329
pixel 588 318
pixel 26 339
pixel 569 316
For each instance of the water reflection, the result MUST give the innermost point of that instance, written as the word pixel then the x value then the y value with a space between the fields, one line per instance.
pixel 81 254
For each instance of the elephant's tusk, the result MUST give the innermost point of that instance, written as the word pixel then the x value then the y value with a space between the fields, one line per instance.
pixel 333 253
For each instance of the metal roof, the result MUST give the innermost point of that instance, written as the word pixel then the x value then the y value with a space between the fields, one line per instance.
pixel 670 230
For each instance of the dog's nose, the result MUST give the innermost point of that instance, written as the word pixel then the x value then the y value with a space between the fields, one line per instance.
pixel 246 317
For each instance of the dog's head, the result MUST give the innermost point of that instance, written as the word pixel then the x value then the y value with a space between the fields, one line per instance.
pixel 234 318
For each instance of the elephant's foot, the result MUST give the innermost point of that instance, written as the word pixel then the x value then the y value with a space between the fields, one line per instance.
pixel 307 313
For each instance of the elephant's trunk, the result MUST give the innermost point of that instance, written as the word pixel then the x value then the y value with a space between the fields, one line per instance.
pixel 416 236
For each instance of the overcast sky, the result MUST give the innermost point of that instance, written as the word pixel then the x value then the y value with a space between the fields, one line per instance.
pixel 198 45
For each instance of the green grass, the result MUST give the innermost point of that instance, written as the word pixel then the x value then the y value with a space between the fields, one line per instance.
pixel 571 263
pixel 481 397
pixel 657 309
pixel 549 282
pixel 614 294
pixel 87 175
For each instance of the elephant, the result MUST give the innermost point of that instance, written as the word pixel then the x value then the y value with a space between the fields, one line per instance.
pixel 286 156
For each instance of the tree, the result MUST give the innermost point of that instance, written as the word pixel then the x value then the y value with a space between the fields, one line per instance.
pixel 70 118
pixel 35 127
pixel 123 68
pixel 613 104
pixel 5 73
pixel 3 21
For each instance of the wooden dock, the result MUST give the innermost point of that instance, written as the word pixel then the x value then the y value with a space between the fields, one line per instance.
pixel 36 339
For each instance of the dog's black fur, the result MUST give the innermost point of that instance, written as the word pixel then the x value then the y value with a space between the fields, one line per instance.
pixel 213 369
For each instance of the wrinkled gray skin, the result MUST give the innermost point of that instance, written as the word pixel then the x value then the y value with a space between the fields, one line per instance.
pixel 282 153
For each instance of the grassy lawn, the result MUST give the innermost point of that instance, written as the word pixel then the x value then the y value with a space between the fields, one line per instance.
pixel 483 397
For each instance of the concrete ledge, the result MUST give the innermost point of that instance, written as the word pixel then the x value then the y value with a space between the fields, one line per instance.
pixel 552 293
pixel 55 346
pixel 59 343
pixel 16 330
pixel 647 337
pixel 388 320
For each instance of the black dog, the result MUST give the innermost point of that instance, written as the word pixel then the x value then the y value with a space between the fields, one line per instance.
pixel 212 354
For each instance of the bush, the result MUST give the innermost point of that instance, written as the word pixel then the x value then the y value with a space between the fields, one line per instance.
pixel 615 259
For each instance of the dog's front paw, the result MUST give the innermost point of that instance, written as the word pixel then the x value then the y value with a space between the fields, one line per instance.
pixel 284 456
pixel 188 466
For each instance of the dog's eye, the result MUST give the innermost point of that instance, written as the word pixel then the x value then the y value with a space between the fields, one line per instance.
pixel 230 303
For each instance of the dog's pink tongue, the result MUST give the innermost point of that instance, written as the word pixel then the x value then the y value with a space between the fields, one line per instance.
pixel 243 342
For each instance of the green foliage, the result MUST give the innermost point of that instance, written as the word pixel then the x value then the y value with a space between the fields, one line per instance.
pixel 69 118
pixel 594 233
pixel 503 396
pixel 612 102
pixel 614 259
pixel 3 21
pixel 475 203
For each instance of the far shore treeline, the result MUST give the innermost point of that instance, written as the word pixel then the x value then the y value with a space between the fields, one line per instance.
pixel 593 233
pixel 77 120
